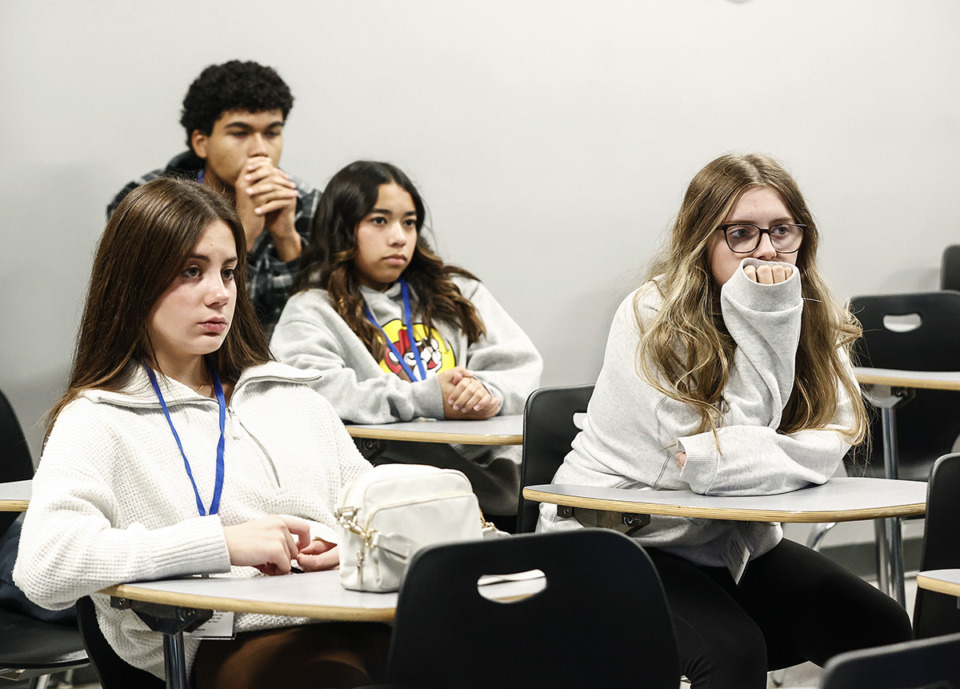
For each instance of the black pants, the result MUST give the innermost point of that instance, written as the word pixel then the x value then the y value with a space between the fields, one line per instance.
pixel 792 605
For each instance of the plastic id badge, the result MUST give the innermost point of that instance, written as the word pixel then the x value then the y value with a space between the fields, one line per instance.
pixel 736 555
pixel 219 626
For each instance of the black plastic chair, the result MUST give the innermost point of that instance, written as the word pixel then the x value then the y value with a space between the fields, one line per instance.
pixel 33 649
pixel 16 464
pixel 601 621
pixel 112 671
pixel 950 268
pixel 919 664
pixel 29 648
pixel 548 430
pixel 915 332
pixel 935 614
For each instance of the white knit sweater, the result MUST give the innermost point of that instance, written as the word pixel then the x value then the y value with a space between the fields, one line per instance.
pixel 632 432
pixel 112 502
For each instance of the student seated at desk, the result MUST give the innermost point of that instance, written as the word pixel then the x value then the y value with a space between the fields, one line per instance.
pixel 233 116
pixel 728 373
pixel 397 334
pixel 180 448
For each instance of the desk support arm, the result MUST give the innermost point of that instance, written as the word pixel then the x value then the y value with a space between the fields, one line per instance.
pixel 624 522
pixel 172 621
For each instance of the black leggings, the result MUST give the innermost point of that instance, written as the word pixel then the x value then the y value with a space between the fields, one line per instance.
pixel 792 605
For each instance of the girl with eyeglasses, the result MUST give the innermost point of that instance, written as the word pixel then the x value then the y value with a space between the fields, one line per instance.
pixel 728 373
pixel 396 333
pixel 181 448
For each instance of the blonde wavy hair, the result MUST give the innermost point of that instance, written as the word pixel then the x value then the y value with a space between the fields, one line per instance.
pixel 686 352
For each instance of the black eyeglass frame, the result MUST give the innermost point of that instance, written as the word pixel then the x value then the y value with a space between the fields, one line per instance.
pixel 761 231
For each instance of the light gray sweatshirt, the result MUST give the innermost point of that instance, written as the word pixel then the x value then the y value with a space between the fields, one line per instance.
pixel 311 335
pixel 632 432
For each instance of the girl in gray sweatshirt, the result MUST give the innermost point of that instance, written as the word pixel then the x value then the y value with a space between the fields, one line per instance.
pixel 728 373
pixel 397 334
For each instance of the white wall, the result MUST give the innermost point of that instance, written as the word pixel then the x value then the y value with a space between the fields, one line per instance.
pixel 551 139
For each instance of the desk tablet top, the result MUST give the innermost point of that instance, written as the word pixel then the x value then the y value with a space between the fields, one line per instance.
pixel 840 499
pixel 15 496
pixel 311 594
pixel 317 595
pixel 930 380
pixel 940 580
pixel 499 430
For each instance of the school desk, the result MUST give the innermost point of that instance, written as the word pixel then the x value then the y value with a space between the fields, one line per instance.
pixel 498 430
pixel 839 499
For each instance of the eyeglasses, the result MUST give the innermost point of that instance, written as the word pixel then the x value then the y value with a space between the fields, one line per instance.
pixel 744 238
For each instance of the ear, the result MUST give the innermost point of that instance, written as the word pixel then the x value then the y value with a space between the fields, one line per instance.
pixel 199 142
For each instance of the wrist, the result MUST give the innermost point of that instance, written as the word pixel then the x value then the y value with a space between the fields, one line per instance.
pixel 289 246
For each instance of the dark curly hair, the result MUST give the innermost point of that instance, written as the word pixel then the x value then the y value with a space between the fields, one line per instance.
pixel 234 85
pixel 328 260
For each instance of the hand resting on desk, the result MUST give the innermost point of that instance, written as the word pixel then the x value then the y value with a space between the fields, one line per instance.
pixel 465 397
pixel 271 543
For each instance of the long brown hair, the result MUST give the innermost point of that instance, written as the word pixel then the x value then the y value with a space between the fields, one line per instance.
pixel 144 247
pixel 328 262
pixel 686 351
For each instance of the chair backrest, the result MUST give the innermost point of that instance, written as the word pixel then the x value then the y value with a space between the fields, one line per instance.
pixel 15 462
pixel 918 664
pixel 950 268
pixel 935 613
pixel 601 621
pixel 112 670
pixel 918 331
pixel 548 430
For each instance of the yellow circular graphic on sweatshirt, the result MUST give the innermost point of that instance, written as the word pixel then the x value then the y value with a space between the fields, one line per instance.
pixel 435 355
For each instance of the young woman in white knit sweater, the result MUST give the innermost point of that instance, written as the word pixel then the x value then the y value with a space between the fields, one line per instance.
pixel 181 448
pixel 728 373
pixel 396 333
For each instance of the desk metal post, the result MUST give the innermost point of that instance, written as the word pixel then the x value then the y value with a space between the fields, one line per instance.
pixel 892 537
pixel 888 531
pixel 172 621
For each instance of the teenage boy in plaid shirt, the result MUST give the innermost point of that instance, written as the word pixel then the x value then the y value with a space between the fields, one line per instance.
pixel 234 115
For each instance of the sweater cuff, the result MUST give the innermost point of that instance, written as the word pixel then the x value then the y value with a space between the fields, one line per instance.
pixel 196 546
pixel 756 297
pixel 427 398
pixel 703 461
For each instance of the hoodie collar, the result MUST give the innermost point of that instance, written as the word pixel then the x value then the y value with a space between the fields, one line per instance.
pixel 139 393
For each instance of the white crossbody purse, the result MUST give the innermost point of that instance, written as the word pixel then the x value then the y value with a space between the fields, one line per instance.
pixel 389 513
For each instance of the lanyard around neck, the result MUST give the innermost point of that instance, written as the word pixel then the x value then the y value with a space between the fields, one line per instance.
pixel 407 322
pixel 222 403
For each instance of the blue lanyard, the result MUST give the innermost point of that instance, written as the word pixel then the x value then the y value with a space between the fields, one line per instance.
pixel 222 403
pixel 407 322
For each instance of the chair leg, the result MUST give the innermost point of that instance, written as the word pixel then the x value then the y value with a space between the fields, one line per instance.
pixel 40 682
